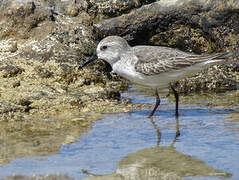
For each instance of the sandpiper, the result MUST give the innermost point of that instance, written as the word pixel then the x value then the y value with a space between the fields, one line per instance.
pixel 153 66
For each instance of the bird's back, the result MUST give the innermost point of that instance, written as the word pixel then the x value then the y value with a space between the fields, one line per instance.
pixel 154 60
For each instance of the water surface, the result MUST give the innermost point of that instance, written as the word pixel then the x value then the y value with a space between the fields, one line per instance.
pixel 207 135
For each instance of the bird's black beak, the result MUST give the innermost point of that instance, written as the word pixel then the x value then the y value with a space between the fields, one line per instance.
pixel 91 59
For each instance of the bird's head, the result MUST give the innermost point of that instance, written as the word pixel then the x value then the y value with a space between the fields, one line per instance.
pixel 109 49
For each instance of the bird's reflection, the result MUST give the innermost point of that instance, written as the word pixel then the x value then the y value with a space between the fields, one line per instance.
pixel 159 162
pixel 157 128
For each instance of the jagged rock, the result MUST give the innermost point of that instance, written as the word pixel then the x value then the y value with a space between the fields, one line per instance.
pixel 111 8
pixel 35 30
pixel 200 26
pixel 189 25
pixel 42 44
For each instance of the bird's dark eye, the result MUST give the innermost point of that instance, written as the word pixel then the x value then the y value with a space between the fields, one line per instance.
pixel 103 48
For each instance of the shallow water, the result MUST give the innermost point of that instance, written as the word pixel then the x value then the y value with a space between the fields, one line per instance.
pixel 206 135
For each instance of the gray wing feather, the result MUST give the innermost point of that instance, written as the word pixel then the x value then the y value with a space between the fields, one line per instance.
pixel 167 59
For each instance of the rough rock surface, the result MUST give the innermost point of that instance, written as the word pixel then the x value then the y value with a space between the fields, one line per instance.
pixel 161 21
pixel 110 8
pixel 34 31
pixel 44 97
pixel 193 26
pixel 45 36
pixel 49 177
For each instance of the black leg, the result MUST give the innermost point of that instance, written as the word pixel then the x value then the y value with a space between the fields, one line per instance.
pixel 177 99
pixel 156 104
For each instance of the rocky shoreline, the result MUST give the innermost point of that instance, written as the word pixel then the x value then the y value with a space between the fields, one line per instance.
pixel 42 43
pixel 45 41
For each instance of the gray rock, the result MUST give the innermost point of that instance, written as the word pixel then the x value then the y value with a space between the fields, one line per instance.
pixel 189 25
pixel 36 30
pixel 111 8
pixel 214 20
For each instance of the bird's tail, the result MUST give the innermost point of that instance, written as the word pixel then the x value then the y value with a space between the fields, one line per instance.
pixel 218 57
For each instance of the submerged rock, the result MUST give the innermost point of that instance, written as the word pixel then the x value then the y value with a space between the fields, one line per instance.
pixel 39 177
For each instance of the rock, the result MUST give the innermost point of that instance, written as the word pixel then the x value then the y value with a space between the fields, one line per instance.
pixel 40 33
pixel 113 94
pixel 201 25
pixel 18 18
pixel 48 177
pixel 111 8
pixel 16 84
pixel 48 39
pixel 43 73
pixel 72 10
pixel 42 44
pixel 10 71
pixel 13 47
pixel 218 78
pixel 191 26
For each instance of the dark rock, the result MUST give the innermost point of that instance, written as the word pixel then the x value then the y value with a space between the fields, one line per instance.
pixel 41 32
pixel 218 78
pixel 201 26
pixel 24 102
pixel 16 84
pixel 86 82
pixel 112 94
pixel 48 177
pixel 10 71
pixel 42 72
pixel 20 17
pixel 192 26
pixel 112 8
pixel 42 42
